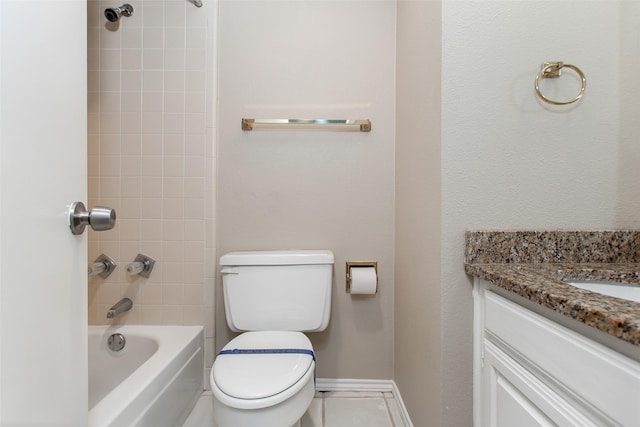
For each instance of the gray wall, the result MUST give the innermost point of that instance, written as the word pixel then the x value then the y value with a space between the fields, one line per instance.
pixel 313 190
pixel 510 161
pixel 417 247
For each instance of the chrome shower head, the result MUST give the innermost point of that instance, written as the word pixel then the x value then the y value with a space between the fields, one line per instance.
pixel 113 14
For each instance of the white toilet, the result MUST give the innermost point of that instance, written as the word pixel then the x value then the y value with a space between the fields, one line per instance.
pixel 265 377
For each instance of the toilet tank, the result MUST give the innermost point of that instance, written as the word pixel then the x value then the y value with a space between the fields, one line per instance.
pixel 277 290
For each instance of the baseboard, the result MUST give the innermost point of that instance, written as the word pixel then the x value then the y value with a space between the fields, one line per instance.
pixel 342 384
pixel 403 409
pixel 358 385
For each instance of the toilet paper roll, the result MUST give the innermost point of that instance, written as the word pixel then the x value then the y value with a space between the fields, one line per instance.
pixel 364 280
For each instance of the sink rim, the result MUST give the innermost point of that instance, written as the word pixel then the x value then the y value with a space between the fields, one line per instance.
pixel 622 290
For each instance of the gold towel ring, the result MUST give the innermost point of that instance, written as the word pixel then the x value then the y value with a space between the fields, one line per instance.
pixel 554 70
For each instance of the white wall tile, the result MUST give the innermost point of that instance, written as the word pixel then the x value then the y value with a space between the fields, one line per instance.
pixel 131 59
pixel 151 208
pixel 172 208
pixel 146 133
pixel 130 165
pixel 131 80
pixel 131 122
pixel 195 123
pixel 129 229
pixel 131 144
pixel 194 251
pixel 174 11
pixel 153 38
pixel 152 144
pixel 174 38
pixel 172 315
pixel 152 80
pixel 195 59
pixel 174 80
pixel 173 145
pixel 110 59
pixel 130 102
pixel 172 230
pixel 153 15
pixel 173 251
pixel 109 165
pixel 173 166
pixel 151 230
pixel 194 274
pixel 174 59
pixel 109 39
pixel 173 123
pixel 172 186
pixel 110 123
pixel 93 59
pixel 110 143
pixel 131 186
pixel 174 102
pixel 152 186
pixel 195 145
pixel 131 38
pixel 130 208
pixel 110 80
pixel 196 38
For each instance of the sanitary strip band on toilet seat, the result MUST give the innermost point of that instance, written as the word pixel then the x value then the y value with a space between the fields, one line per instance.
pixel 270 351
pixel 273 351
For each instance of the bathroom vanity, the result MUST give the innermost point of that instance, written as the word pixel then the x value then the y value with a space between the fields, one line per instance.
pixel 546 352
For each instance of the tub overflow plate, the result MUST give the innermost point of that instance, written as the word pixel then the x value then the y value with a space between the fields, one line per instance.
pixel 116 342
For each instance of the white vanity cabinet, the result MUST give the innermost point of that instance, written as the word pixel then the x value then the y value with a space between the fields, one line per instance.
pixel 532 371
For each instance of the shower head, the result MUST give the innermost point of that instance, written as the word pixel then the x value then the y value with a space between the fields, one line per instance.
pixel 113 14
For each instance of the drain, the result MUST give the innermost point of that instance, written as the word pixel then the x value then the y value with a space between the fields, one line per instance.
pixel 116 342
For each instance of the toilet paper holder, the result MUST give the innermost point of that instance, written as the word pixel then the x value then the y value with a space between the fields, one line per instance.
pixel 359 264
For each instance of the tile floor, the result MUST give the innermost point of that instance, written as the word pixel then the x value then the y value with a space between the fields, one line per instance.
pixel 328 409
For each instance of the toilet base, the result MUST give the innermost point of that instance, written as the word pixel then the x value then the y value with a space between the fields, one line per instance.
pixel 285 414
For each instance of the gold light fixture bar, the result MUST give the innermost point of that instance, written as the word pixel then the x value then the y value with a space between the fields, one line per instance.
pixel 307 124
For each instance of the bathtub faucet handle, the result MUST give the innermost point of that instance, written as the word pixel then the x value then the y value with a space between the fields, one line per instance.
pixel 125 304
pixel 103 266
pixel 142 266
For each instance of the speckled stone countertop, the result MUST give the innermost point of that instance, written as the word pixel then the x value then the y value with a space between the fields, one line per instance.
pixel 533 264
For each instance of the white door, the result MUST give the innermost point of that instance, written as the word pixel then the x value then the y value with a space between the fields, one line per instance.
pixel 43 267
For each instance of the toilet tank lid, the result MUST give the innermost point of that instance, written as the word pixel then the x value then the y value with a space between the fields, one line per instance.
pixel 290 257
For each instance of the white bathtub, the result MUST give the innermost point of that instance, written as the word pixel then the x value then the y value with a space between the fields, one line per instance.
pixel 155 380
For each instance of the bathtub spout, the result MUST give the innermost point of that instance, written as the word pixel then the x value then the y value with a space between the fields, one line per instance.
pixel 121 306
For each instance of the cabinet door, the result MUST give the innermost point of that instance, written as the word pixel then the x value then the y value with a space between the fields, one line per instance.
pixel 514 397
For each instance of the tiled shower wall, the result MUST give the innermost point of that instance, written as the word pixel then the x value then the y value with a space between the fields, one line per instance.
pixel 151 157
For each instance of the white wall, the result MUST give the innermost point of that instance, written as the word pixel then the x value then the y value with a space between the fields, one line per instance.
pixel 628 172
pixel 510 161
pixel 316 190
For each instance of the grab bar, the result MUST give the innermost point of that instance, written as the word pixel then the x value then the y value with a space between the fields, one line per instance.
pixel 315 124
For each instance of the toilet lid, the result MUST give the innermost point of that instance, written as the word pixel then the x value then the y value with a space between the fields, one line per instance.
pixel 259 375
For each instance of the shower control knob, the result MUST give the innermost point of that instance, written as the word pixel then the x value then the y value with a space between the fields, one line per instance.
pixel 99 218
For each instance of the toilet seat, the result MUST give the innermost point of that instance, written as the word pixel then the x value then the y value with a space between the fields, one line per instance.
pixel 262 378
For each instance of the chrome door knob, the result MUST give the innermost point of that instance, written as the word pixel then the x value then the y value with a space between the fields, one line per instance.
pixel 99 218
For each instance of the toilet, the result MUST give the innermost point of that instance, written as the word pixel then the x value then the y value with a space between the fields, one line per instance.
pixel 265 377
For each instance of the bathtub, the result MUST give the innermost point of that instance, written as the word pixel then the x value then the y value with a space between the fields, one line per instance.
pixel 155 380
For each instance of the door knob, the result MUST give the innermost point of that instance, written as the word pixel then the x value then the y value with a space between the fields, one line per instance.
pixel 99 218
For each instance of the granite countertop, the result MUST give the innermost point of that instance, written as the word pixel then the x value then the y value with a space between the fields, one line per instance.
pixel 533 265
